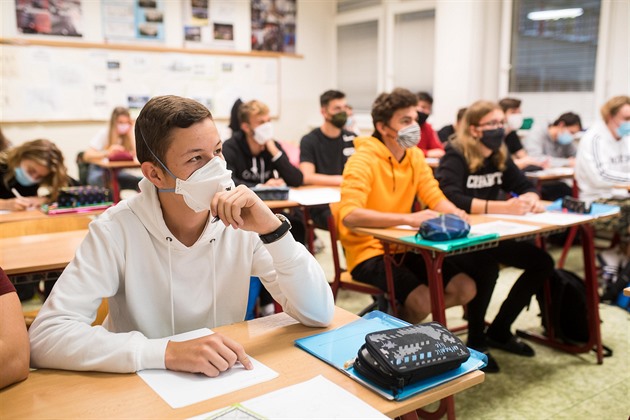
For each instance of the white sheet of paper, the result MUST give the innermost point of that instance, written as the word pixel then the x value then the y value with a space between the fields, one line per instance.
pixel 547 218
pixel 180 389
pixel 502 227
pixel 406 227
pixel 317 398
pixel 313 196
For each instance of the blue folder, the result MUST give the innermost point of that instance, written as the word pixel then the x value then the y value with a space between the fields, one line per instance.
pixel 597 209
pixel 339 347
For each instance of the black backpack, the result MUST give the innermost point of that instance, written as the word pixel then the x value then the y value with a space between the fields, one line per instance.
pixel 568 308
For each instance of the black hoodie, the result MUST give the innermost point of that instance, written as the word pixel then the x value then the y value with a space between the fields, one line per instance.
pixel 460 186
pixel 253 170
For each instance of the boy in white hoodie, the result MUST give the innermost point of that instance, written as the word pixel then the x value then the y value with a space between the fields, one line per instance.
pixel 175 258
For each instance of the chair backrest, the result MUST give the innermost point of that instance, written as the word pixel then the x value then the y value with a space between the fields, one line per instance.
pixel 83 166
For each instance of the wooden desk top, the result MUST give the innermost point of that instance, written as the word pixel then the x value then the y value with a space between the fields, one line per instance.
pixel 34 253
pixel 551 174
pixel 61 394
pixel 19 216
pixel 119 164
pixel 393 235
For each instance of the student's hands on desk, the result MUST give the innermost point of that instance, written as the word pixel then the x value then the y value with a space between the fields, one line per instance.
pixel 525 203
pixel 243 209
pixel 20 203
pixel 210 355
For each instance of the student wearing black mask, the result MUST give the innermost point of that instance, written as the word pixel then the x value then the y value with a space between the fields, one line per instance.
pixel 429 142
pixel 325 150
pixel 475 174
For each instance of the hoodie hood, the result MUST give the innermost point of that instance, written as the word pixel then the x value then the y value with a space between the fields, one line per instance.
pixel 147 208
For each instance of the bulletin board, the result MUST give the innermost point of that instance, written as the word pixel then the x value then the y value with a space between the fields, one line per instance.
pixel 50 83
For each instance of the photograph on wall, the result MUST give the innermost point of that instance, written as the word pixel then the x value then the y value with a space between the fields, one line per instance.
pixel 49 17
pixel 130 20
pixel 150 19
pixel 209 23
pixel 223 32
pixel 273 25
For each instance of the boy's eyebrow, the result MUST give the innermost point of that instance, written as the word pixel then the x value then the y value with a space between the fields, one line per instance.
pixel 187 152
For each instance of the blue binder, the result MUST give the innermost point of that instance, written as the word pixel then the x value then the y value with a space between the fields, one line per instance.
pixel 339 347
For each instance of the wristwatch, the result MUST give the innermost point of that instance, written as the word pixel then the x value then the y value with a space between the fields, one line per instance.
pixel 277 234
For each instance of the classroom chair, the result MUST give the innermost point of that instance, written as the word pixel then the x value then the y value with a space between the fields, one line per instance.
pixel 343 279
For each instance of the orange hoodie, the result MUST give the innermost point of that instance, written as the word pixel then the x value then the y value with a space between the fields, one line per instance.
pixel 373 179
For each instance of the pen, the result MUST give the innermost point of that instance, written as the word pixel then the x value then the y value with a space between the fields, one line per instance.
pixel 16 193
pixel 217 218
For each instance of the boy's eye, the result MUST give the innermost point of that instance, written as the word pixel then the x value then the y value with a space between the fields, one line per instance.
pixel 218 151
pixel 195 159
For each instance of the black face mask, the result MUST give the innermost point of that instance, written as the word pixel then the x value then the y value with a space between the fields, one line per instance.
pixel 493 139
pixel 422 117
pixel 339 119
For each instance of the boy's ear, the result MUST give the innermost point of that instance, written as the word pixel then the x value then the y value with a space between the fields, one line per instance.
pixel 380 127
pixel 153 173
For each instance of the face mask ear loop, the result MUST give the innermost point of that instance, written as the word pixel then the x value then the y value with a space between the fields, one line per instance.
pixel 159 161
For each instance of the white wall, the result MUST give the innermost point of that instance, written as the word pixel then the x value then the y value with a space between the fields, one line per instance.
pixel 302 79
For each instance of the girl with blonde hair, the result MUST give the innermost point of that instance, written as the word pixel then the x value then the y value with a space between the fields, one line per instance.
pixel 115 141
pixel 476 174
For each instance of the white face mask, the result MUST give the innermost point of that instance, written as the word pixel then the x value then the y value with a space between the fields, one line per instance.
pixel 201 186
pixel 515 121
pixel 123 128
pixel 263 133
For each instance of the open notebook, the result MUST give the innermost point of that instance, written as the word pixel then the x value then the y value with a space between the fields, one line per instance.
pixel 339 347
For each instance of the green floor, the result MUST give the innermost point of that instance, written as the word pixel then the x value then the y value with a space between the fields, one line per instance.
pixel 552 385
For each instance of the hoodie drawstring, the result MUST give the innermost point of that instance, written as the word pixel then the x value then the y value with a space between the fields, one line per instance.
pixel 170 279
pixel 391 164
pixel 214 284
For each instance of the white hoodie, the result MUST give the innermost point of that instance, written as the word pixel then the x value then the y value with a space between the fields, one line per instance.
pixel 602 163
pixel 153 281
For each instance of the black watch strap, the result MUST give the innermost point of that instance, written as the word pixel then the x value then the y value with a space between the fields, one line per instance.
pixel 278 233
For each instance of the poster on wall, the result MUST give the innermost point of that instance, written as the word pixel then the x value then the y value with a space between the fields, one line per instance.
pixel 49 17
pixel 273 25
pixel 128 20
pixel 209 23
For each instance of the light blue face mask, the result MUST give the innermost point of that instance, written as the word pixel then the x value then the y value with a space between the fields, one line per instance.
pixel 565 138
pixel 23 178
pixel 624 129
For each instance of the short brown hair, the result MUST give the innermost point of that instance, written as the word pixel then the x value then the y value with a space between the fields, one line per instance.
pixel 386 104
pixel 246 110
pixel 614 104
pixel 156 120
pixel 509 103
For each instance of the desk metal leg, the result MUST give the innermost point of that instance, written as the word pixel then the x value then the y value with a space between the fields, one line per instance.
pixel 592 306
pixel 113 182
pixel 434 261
pixel 389 278
pixel 309 226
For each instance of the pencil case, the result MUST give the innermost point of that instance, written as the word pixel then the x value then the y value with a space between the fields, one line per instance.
pixel 444 228
pixel 272 193
pixel 393 359
pixel 87 195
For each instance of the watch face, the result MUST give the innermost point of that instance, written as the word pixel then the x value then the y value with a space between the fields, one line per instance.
pixel 283 219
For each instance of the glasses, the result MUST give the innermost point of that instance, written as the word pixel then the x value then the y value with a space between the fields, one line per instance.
pixel 493 124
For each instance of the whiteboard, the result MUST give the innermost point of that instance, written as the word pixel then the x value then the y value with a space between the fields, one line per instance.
pixel 41 83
